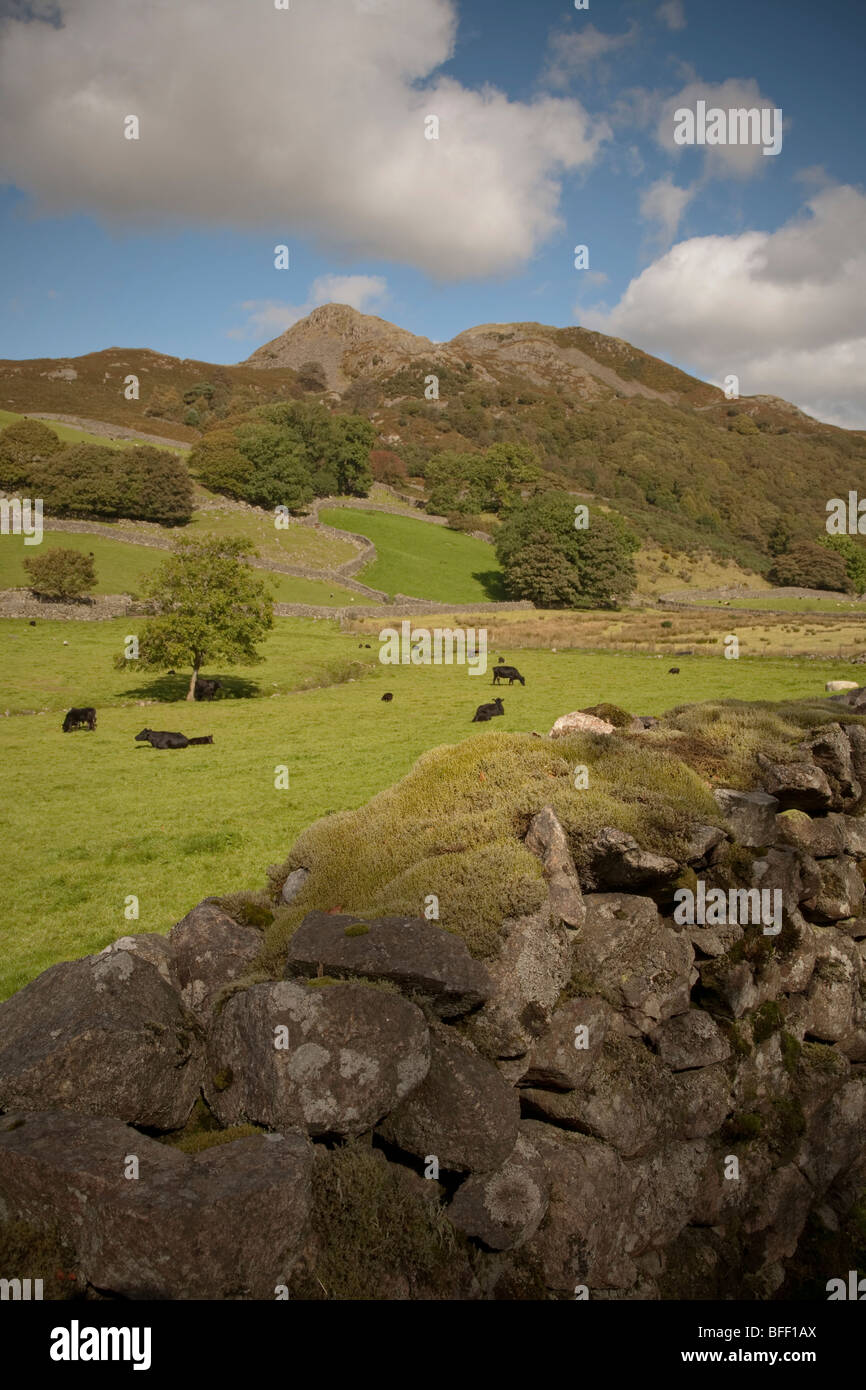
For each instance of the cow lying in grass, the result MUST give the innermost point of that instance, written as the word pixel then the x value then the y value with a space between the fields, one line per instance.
pixel 206 689
pixel 159 739
pixel 485 712
pixel 79 719
pixel 509 673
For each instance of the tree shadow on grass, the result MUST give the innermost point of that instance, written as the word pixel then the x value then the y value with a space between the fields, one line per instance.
pixel 170 690
pixel 493 584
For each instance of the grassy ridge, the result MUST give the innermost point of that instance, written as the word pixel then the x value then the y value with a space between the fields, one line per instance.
pixel 88 819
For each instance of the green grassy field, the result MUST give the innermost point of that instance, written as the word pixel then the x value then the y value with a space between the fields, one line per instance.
pixel 831 604
pixel 121 568
pixel 70 435
pixel 422 560
pixel 89 819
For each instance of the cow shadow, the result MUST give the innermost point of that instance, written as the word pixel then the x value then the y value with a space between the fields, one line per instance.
pixel 169 690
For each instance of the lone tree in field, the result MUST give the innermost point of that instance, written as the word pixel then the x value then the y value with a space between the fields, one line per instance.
pixel 61 573
pixel 207 606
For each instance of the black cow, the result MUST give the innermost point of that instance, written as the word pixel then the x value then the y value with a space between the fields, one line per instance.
pixel 160 739
pixel 485 712
pixel 388 695
pixel 206 689
pixel 674 671
pixel 509 673
pixel 80 718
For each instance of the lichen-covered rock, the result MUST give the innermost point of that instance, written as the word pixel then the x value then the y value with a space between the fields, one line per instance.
pixel 415 954
pixel 532 967
pixel 703 839
pixel 798 786
pixel 579 723
pixel 332 1059
pixel 226 1223
pixel 822 837
pixel 618 862
pixel 565 1054
pixel 830 748
pixel 210 950
pixel 155 949
pixel 463 1113
pixel 504 1208
pixel 547 839
pixel 692 1039
pixel 630 956
pixel 749 816
pixel 105 1035
pixel 293 885
pixel 841 890
pixel 832 996
pixel 589 1227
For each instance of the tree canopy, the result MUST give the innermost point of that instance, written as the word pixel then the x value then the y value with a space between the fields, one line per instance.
pixel 546 559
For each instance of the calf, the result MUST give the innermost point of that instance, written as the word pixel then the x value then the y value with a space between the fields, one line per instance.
pixel 674 671
pixel 160 739
pixel 485 712
pixel 206 689
pixel 388 695
pixel 80 718
pixel 509 673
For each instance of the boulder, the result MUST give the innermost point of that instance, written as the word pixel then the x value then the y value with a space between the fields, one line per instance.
pixel 532 967
pixel 856 736
pixel 557 1062
pixel 749 816
pixel 821 837
pixel 547 839
pixel 830 748
pixel 618 862
pixel 155 949
pixel 415 954
pixel 667 1187
pixel 226 1223
pixel 463 1113
pixel 794 874
pixel 211 950
pixel 579 723
pixel 801 786
pixel 692 1039
pixel 837 686
pixel 841 890
pixel 105 1035
pixel 331 1060
pixel 293 885
pixel 854 836
pixel 630 956
pixel 736 986
pixel 703 839
pixel 832 995
pixel 504 1208
pixel 590 1225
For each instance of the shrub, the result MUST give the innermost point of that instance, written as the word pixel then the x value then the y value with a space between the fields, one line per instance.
pixel 810 566
pixel 61 573
pixel 23 444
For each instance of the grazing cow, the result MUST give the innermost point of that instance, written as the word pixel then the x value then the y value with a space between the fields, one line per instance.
pixel 80 718
pixel 206 689
pixel 485 712
pixel 32 622
pixel 509 673
pixel 161 739
pixel 388 695
pixel 674 671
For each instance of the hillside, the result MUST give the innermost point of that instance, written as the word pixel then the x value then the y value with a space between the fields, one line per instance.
pixel 605 419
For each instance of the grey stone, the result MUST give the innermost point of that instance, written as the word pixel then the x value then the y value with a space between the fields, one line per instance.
pixel 547 839
pixel 332 1060
pixel 749 816
pixel 503 1209
pixel 210 951
pixel 415 954
pixel 630 956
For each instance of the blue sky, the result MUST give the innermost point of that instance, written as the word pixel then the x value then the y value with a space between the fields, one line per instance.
pixel 305 127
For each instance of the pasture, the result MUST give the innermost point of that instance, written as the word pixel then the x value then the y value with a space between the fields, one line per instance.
pixel 91 819
pixel 422 560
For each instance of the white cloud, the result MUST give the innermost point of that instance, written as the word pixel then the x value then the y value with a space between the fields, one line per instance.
pixel 720 161
pixel 664 204
pixel 308 121
pixel 268 318
pixel 672 14
pixel 581 52
pixel 784 311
